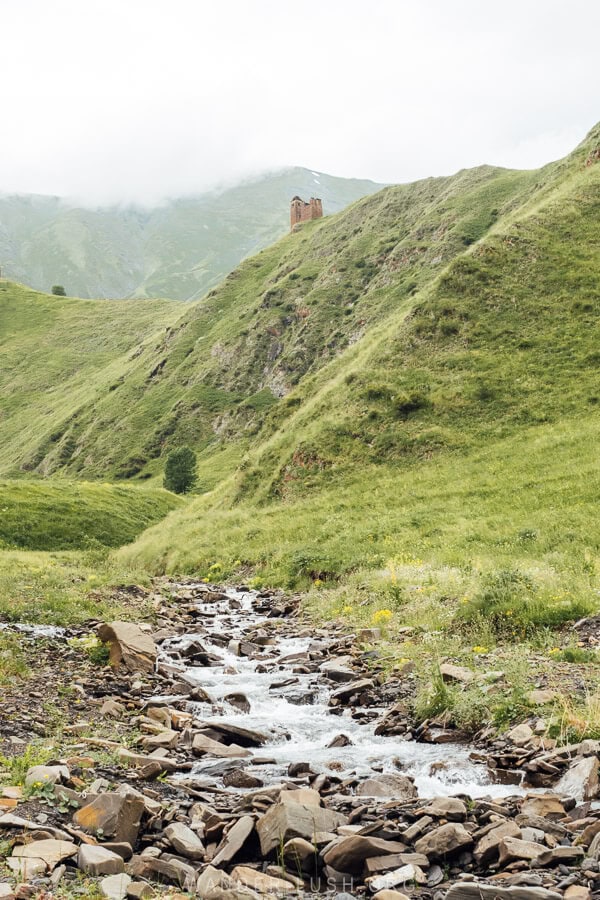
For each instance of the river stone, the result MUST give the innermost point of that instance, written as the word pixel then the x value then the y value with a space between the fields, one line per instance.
pixel 214 884
pixel 349 854
pixel 50 851
pixel 408 874
pixel 576 892
pixel 113 816
pixel 300 855
pixel 25 868
pixel 139 890
pixel 258 881
pixel 397 787
pixel 344 694
pixel 96 860
pixel 130 647
pixel 461 674
pixel 444 839
pixel 239 700
pixel 46 775
pixel 230 734
pixel 487 847
pixel 387 894
pixel 580 780
pixel 288 820
pixel 476 890
pixel 450 808
pixel 115 887
pixel 512 848
pixel 202 745
pixel 546 806
pixel 234 840
pixel 172 871
pixel 305 796
pixel 520 735
pixel 560 855
pixel 167 739
pixel 184 841
pixel 241 778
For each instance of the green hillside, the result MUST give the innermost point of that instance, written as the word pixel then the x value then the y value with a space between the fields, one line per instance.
pixel 59 354
pixel 395 407
pixel 60 515
pixel 177 249
pixel 288 313
pixel 451 437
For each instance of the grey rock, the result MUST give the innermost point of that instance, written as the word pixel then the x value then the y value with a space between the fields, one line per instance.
pixel 95 860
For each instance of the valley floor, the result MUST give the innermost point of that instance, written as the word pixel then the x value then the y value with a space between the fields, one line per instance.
pixel 235 744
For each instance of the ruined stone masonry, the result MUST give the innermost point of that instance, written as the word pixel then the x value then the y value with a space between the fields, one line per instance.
pixel 300 211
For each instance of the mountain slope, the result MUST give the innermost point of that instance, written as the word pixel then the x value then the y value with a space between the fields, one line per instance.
pixel 284 314
pixel 461 429
pixel 179 249
pixel 59 354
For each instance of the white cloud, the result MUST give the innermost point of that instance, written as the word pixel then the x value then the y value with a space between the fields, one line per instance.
pixel 117 101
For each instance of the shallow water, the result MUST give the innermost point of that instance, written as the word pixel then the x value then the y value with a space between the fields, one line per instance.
pixel 301 732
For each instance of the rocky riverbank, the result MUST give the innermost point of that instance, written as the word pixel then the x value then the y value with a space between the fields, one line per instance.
pixel 231 751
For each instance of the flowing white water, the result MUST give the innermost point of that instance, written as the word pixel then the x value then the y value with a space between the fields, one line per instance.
pixel 301 732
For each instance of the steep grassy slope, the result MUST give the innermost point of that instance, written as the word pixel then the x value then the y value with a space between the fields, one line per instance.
pixel 282 316
pixel 60 515
pixel 460 431
pixel 60 354
pixel 178 249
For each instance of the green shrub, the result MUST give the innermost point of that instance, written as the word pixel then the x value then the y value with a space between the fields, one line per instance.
pixel 514 606
pixel 180 470
pixel 408 402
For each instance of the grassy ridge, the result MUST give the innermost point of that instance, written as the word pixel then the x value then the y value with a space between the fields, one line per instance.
pixel 273 324
pixel 382 446
pixel 62 515
pixel 60 355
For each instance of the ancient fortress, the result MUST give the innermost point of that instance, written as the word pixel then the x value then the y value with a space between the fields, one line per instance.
pixel 304 212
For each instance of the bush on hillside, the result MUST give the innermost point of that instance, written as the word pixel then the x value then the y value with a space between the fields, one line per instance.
pixel 58 290
pixel 180 470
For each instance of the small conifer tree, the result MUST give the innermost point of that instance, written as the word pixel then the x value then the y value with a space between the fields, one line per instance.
pixel 180 470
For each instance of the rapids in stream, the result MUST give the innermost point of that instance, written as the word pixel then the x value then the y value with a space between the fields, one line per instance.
pixel 296 717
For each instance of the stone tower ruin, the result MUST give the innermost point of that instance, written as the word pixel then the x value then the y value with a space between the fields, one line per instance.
pixel 304 212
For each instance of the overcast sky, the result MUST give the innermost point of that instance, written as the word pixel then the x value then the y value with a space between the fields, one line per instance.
pixel 136 100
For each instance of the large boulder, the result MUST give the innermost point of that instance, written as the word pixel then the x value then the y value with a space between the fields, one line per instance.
pixel 112 816
pixel 512 849
pixel 130 647
pixel 488 846
pixel 50 851
pixel 349 854
pixel 396 787
pixel 184 841
pixel 477 890
pixel 234 840
pixel 95 860
pixel 443 840
pixel 580 780
pixel 288 820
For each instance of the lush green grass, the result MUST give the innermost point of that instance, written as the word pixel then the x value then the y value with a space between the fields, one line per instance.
pixel 524 504
pixel 65 588
pixel 61 515
pixel 60 355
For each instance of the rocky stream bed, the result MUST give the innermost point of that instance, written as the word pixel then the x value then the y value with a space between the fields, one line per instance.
pixel 233 752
